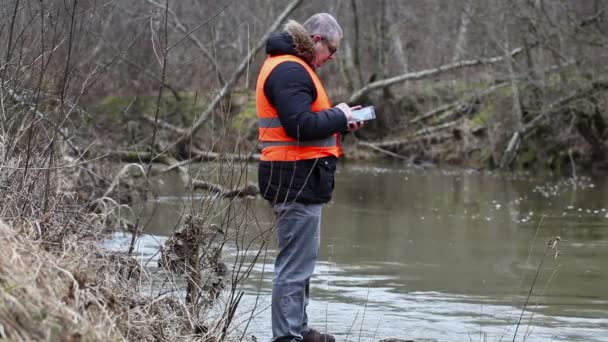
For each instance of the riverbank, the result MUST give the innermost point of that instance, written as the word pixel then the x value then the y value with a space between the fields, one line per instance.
pixel 443 124
pixel 57 283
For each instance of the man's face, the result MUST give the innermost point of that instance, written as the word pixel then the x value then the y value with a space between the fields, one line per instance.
pixel 325 49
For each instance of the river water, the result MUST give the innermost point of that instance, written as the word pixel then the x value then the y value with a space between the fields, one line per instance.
pixel 430 255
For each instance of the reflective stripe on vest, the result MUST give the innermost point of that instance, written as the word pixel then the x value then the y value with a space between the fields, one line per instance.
pixel 276 144
pixel 269 123
pixel 327 142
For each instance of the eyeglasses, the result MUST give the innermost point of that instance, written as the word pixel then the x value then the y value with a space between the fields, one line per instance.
pixel 332 49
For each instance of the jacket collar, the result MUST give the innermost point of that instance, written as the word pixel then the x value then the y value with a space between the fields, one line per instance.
pixel 293 41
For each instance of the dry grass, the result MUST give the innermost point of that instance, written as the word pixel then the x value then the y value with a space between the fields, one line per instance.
pixel 56 281
pixel 44 296
pixel 77 293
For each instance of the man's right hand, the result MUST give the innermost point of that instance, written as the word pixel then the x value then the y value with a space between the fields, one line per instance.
pixel 347 110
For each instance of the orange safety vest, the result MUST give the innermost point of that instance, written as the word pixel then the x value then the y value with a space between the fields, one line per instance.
pixel 276 144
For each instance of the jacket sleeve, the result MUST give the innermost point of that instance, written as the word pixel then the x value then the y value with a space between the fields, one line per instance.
pixel 290 89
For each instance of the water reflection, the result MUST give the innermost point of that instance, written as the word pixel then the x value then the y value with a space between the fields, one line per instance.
pixel 440 256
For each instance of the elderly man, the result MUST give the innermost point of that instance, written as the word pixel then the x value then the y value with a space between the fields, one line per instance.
pixel 299 132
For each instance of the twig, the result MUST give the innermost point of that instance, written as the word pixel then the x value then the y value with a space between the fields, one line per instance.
pixel 552 244
pixel 363 316
pixel 190 35
pixel 351 326
pixel 234 303
pixel 201 25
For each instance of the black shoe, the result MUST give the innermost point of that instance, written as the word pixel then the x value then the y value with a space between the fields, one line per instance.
pixel 313 335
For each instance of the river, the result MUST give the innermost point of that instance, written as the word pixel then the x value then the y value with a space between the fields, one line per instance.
pixel 430 255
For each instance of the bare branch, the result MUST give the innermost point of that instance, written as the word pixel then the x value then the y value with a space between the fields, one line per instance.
pixel 356 97
pixel 422 133
pixel 164 124
pixel 381 150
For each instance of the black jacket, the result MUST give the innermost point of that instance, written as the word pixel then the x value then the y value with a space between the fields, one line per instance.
pixel 290 89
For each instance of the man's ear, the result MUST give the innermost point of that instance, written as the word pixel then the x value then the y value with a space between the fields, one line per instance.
pixel 316 38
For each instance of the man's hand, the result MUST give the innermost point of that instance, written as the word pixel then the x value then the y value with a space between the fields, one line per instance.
pixel 355 125
pixel 347 110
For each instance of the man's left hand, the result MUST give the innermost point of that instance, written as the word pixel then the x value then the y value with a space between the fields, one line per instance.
pixel 355 125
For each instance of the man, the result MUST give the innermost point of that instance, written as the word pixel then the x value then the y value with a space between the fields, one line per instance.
pixel 299 132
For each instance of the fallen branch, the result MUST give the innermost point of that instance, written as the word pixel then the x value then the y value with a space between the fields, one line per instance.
pixel 356 97
pixel 435 111
pixel 138 157
pixel 144 157
pixel 164 124
pixel 381 150
pixel 247 190
pixel 478 96
pixel 447 107
pixel 121 174
pixel 433 129
pixel 438 134
pixel 200 156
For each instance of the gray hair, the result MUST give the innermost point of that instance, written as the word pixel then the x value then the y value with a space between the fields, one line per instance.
pixel 324 25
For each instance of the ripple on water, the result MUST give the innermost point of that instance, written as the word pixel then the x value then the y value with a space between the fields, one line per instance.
pixel 369 307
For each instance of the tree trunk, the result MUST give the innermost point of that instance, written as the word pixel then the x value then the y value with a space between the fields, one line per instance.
pixel 383 43
pixel 511 150
pixel 356 46
pixel 399 53
pixel 463 29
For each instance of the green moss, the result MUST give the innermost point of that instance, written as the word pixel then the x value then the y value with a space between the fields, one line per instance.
pixel 554 80
pixel 115 108
pixel 481 117
pixel 112 107
pixel 245 115
pixel 190 105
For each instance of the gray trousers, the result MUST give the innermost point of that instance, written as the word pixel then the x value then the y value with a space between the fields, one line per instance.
pixel 298 228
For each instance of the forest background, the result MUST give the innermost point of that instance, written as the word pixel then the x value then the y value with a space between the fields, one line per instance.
pixel 480 84
pixel 474 83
